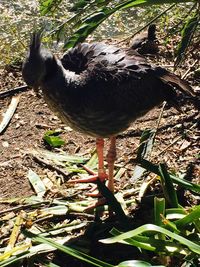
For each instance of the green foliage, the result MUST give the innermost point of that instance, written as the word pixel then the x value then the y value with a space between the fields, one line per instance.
pixel 174 231
pixel 72 22
pixel 48 6
pixel 159 210
pixel 113 203
pixel 81 4
pixel 168 187
pixel 71 251
pixel 88 26
pixel 177 180
pixel 52 139
pixel 187 34
pixel 93 20
pixel 152 243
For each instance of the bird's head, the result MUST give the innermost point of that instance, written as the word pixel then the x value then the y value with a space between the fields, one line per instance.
pixel 35 66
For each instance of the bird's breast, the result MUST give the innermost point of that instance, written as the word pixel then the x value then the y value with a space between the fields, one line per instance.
pixel 86 117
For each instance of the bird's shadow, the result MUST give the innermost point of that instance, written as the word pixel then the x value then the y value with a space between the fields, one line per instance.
pixel 89 242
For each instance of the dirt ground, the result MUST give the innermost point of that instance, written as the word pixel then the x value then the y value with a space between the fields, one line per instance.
pixel 177 139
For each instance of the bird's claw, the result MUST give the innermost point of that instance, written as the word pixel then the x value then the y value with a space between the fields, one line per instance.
pixel 90 179
pixel 102 176
pixel 100 202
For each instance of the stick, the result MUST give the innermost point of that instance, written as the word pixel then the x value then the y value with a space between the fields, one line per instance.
pixel 52 167
pixel 9 113
pixel 13 91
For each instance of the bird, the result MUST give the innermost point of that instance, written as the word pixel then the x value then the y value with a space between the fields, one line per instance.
pixel 146 42
pixel 99 89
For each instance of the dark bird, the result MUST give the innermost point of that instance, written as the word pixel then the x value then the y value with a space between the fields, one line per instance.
pixel 99 90
pixel 146 42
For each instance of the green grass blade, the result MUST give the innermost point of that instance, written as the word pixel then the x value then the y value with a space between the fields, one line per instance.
pixel 87 27
pixel 146 144
pixel 113 203
pixel 132 3
pixel 58 157
pixel 92 162
pixel 36 183
pixel 144 150
pixel 92 21
pixel 168 187
pixel 70 251
pixel 151 243
pixel 175 214
pixel 187 34
pixel 48 263
pixel 159 210
pixel 136 263
pixel 153 228
pixel 192 217
pixel 184 183
pixel 14 259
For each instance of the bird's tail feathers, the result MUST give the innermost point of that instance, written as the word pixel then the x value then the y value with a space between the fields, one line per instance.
pixel 182 86
pixel 177 82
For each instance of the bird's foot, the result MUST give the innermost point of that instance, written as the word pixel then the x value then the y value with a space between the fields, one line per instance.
pixel 100 202
pixel 93 192
pixel 90 179
pixel 102 176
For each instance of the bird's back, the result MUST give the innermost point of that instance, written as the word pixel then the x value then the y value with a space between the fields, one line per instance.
pixel 118 87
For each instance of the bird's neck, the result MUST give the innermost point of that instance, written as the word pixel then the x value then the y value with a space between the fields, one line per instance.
pixel 57 78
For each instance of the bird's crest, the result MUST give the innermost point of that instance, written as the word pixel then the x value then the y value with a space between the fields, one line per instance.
pixel 35 43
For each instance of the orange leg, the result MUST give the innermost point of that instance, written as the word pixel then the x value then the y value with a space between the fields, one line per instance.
pixel 111 157
pixel 101 171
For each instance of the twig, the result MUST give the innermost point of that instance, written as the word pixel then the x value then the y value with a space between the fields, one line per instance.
pixel 87 215
pixel 52 167
pixel 22 207
pixel 9 113
pixel 156 128
pixel 13 91
pixel 145 185
pixel 158 122
pixel 185 75
pixel 176 140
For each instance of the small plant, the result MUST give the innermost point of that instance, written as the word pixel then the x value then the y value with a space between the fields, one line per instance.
pixel 53 139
